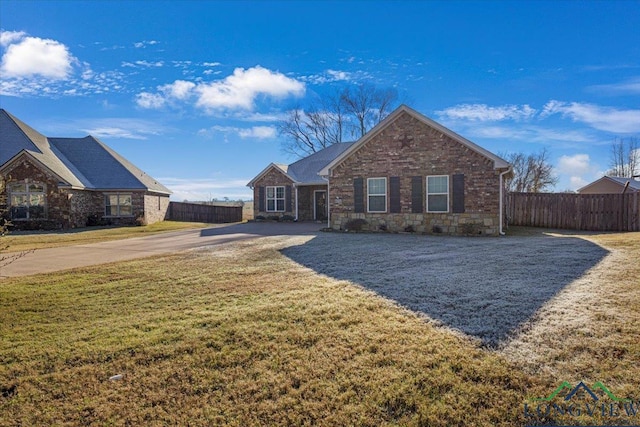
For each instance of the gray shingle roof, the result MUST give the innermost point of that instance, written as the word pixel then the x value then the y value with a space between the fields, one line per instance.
pixel 305 171
pixel 632 182
pixel 80 162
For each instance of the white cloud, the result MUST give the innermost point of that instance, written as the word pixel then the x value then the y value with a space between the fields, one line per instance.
pixel 240 90
pixel 256 132
pixel 145 43
pixel 485 113
pixel 143 64
pixel 330 76
pixel 578 164
pixel 628 87
pixel 211 64
pixel 577 170
pixel 121 128
pixel 150 100
pixel 180 89
pixel 9 37
pixel 33 56
pixel 235 92
pixel 608 119
pixel 259 132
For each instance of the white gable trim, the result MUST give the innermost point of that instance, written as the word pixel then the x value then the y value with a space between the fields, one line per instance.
pixel 280 168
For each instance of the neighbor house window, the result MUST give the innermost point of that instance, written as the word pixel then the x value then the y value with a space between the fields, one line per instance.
pixel 438 193
pixel 377 194
pixel 27 200
pixel 117 204
pixel 275 199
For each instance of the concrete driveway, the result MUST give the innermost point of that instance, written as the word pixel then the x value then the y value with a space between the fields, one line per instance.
pixel 55 259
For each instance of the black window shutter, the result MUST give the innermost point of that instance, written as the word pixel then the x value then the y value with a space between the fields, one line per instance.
pixel 358 195
pixel 394 194
pixel 261 199
pixel 287 199
pixel 417 201
pixel 458 193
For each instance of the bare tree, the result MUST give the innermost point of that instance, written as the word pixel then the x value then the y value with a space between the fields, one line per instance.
pixel 532 173
pixel 625 157
pixel 327 120
pixel 368 105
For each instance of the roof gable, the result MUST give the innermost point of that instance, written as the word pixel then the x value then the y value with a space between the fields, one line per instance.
pixel 498 163
pixel 84 163
pixel 272 166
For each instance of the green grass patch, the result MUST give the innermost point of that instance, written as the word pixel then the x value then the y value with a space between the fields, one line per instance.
pixel 26 241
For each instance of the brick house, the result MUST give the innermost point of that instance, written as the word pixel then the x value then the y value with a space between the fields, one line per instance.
pixel 69 182
pixel 407 173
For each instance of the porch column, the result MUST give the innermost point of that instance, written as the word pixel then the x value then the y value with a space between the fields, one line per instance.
pixel 296 187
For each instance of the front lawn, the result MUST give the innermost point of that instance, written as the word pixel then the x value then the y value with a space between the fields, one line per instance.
pixel 243 335
pixel 26 241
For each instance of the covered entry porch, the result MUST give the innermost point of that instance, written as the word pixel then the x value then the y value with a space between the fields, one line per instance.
pixel 311 202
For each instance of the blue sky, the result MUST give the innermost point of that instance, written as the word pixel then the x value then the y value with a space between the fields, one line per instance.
pixel 191 91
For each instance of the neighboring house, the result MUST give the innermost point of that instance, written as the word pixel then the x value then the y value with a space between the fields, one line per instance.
pixel 69 182
pixel 611 185
pixel 407 173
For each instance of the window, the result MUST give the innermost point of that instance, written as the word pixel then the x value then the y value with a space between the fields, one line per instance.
pixel 377 194
pixel 27 200
pixel 438 193
pixel 118 204
pixel 275 199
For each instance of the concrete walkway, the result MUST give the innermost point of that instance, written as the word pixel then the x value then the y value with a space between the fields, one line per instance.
pixel 62 258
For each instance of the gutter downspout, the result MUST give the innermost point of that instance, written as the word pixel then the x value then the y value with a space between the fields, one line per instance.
pixel 501 208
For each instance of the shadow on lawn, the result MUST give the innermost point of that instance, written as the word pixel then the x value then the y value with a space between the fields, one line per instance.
pixel 485 287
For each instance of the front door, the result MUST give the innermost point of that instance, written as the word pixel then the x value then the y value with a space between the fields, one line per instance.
pixel 320 205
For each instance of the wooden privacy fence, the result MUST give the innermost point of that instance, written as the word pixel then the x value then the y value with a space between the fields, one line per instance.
pixel 594 212
pixel 194 212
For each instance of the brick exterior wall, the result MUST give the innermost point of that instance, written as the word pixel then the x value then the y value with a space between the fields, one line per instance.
pixel 272 178
pixel 156 208
pixel 69 208
pixel 407 148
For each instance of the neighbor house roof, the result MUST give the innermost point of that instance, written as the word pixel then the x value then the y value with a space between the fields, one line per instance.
pixel 498 163
pixel 634 184
pixel 83 163
pixel 305 171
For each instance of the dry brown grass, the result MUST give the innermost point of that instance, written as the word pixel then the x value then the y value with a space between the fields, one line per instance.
pixel 243 336
pixel 591 330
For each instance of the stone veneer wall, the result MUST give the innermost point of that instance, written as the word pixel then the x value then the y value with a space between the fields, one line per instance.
pixel 82 204
pixel 156 208
pixel 272 178
pixel 407 148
